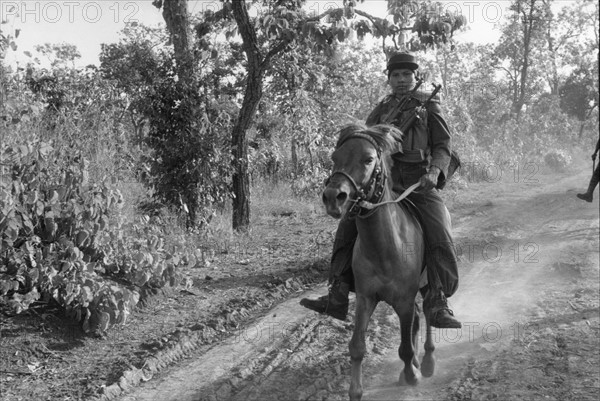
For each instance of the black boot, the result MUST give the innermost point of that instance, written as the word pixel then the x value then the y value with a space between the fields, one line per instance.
pixel 589 195
pixel 334 304
pixel 440 315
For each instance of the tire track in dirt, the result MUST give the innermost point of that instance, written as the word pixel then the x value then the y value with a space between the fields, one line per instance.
pixel 247 357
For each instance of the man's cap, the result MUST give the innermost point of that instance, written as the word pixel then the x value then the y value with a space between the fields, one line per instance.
pixel 402 60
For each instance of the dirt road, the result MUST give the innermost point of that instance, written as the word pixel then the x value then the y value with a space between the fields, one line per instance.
pixel 528 301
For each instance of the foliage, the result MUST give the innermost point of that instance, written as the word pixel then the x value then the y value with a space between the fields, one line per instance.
pixel 70 109
pixel 540 48
pixel 7 39
pixel 578 96
pixel 133 64
pixel 59 55
pixel 434 26
pixel 558 159
pixel 61 230
pixel 311 183
pixel 190 160
pixel 519 46
pixel 316 95
pixel 187 167
pixel 58 234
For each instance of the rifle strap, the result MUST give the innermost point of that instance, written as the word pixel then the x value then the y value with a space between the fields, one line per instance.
pixel 391 114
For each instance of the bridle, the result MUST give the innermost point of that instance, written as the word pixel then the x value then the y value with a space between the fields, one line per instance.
pixel 373 191
pixel 369 198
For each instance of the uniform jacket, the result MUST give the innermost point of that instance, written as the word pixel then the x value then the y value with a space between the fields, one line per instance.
pixel 427 143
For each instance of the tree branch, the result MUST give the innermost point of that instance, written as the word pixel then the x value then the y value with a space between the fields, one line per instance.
pixel 510 75
pixel 274 51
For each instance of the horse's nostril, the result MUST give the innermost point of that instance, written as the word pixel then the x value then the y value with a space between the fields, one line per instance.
pixel 334 197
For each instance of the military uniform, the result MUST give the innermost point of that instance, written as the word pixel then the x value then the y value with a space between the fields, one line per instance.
pixel 425 144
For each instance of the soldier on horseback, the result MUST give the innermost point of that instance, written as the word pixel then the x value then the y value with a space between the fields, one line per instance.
pixel 425 158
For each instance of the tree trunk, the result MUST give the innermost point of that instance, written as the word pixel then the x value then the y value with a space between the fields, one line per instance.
pixel 554 78
pixel 310 157
pixel 527 31
pixel 176 17
pixel 252 96
pixel 239 141
pixel 530 25
pixel 295 156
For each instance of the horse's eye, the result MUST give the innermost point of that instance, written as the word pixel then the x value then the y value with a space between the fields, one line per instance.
pixel 369 160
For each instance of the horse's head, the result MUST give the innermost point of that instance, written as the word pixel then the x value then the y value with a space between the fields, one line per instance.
pixel 358 163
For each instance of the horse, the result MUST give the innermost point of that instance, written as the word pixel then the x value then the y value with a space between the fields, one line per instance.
pixel 388 256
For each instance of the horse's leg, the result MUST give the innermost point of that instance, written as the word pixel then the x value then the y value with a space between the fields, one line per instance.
pixel 364 309
pixel 415 338
pixel 410 374
pixel 428 363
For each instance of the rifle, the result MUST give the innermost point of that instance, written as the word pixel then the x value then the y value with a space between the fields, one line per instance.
pixel 418 110
pixel 409 122
pixel 391 115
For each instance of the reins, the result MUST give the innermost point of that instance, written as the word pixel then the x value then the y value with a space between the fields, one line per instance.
pixel 370 206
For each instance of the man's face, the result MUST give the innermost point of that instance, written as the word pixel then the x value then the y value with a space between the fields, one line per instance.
pixel 402 81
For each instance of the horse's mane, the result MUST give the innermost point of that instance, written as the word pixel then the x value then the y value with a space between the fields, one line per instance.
pixel 387 137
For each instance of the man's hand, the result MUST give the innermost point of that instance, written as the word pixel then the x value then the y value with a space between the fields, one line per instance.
pixel 429 180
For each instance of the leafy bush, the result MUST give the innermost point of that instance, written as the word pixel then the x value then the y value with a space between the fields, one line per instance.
pixel 190 163
pixel 60 240
pixel 310 184
pixel 558 160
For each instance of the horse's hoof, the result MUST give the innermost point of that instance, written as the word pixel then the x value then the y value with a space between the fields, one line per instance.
pixel 404 380
pixel 428 365
pixel 355 396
